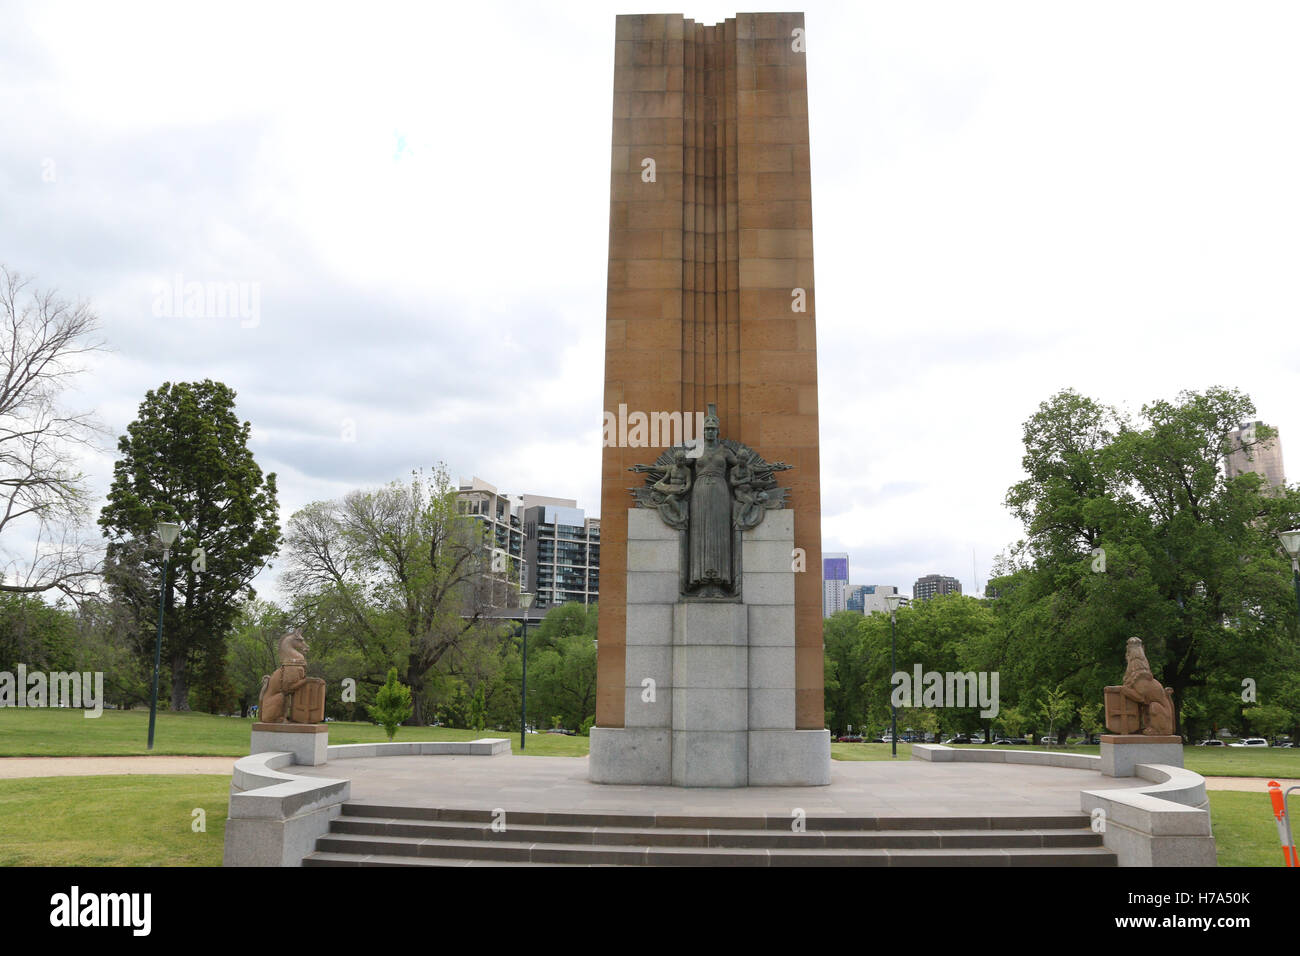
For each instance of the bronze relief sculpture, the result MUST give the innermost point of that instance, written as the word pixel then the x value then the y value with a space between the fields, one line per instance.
pixel 711 491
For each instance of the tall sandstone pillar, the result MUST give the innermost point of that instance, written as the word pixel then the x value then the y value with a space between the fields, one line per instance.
pixel 710 293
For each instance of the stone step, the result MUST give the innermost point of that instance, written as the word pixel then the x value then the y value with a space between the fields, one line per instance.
pixel 725 838
pixel 332 847
pixel 771 821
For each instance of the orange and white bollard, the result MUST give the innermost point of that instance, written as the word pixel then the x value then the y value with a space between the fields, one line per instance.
pixel 1283 821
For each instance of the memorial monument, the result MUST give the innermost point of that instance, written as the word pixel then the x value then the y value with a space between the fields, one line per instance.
pixel 710 665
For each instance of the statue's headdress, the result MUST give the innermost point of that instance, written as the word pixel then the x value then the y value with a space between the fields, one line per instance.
pixel 711 419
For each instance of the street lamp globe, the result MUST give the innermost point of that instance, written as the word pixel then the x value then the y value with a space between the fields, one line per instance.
pixel 1291 541
pixel 167 533
pixel 526 599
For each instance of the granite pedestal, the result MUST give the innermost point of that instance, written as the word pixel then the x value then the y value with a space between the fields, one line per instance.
pixel 1121 753
pixel 710 684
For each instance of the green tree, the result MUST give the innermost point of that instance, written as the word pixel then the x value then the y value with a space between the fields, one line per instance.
pixel 186 459
pixel 253 650
pixel 1090 720
pixel 392 704
pixel 408 572
pixel 1012 720
pixel 1055 708
pixel 562 666
pixel 1134 528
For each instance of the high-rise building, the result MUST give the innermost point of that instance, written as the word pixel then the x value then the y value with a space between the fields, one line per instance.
pixel 1247 453
pixel 869 598
pixel 934 584
pixel 562 554
pixel 540 544
pixel 835 583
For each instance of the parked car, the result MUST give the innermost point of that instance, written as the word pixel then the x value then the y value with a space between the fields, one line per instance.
pixel 1251 742
pixel 849 739
pixel 1048 740
pixel 1010 741
pixel 959 739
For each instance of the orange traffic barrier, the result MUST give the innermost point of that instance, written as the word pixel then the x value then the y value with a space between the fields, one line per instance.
pixel 1283 821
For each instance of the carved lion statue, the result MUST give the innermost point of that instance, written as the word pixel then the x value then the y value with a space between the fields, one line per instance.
pixel 1141 704
pixel 289 695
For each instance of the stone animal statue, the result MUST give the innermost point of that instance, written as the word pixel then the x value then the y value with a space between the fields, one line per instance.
pixel 289 695
pixel 1140 704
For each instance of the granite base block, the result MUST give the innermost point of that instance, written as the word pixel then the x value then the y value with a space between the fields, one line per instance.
pixel 1121 753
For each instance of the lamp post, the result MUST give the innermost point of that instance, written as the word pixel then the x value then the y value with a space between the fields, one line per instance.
pixel 167 532
pixel 1291 542
pixel 893 601
pixel 525 602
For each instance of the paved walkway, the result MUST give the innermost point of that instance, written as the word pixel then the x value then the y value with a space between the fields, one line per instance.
pixel 906 788
pixel 14 767
pixel 393 768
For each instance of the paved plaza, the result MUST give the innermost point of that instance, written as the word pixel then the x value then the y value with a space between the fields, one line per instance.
pixel 906 788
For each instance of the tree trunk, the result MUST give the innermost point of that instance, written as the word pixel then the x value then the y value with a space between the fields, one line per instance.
pixel 180 686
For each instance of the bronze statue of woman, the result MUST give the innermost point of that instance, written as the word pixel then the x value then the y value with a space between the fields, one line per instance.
pixel 710 515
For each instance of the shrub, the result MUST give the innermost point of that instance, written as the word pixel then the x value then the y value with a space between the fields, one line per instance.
pixel 392 704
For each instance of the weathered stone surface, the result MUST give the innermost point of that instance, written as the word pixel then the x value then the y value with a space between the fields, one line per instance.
pixel 631 755
pixel 789 758
pixel 771 625
pixel 649 624
pixel 1120 756
pixel 771 667
pixel 651 587
pixel 309 749
pixel 769 588
pixel 723 709
pixel 696 623
pixel 771 708
pixel 710 759
pixel 644 525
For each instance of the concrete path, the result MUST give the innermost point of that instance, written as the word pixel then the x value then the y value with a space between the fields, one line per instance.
pixel 15 767
pixel 876 788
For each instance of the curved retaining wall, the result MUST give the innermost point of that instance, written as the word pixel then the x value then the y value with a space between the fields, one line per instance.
pixel 276 816
pixel 1164 824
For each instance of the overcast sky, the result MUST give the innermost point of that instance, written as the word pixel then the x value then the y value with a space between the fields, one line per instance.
pixel 1008 199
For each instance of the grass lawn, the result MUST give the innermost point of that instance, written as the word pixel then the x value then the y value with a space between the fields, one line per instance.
pixel 1245 832
pixel 1207 761
pixel 112 821
pixel 147 821
pixel 53 732
pixel 869 751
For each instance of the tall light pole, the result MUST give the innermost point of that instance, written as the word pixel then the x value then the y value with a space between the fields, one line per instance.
pixel 1291 541
pixel 167 532
pixel 525 602
pixel 893 601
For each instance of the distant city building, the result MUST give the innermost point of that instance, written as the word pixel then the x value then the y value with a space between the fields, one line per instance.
pixel 562 554
pixel 540 544
pixel 853 597
pixel 1265 459
pixel 835 583
pixel 934 584
pixel 869 598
